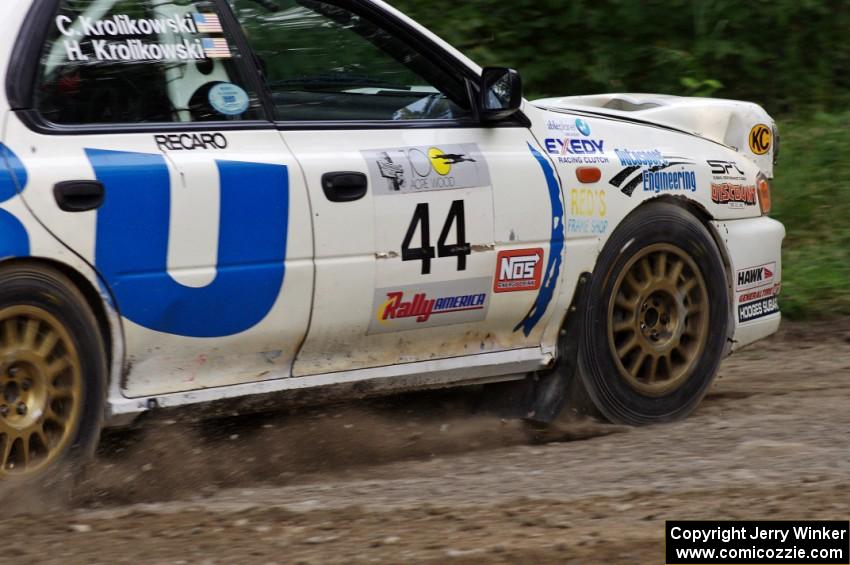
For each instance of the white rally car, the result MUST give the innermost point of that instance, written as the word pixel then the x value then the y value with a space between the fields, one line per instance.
pixel 204 200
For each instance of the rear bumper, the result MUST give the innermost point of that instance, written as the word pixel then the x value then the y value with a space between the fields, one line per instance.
pixel 753 248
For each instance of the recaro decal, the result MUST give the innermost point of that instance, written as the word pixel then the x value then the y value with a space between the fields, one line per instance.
pixel 190 142
pixel 556 249
pixel 14 241
pixel 132 245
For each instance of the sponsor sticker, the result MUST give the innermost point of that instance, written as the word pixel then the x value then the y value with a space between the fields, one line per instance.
pixel 190 141
pixel 430 305
pixel 406 170
pixel 759 309
pixel 759 294
pixel 736 195
pixel 723 171
pixel 761 139
pixel 576 150
pixel 654 171
pixel 519 270
pixel 588 211
pixel 228 99
pixel 756 277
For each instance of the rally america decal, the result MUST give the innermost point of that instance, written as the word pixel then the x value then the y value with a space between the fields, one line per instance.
pixel 430 305
pixel 406 170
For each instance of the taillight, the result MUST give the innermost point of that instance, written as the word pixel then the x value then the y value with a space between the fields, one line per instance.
pixel 764 195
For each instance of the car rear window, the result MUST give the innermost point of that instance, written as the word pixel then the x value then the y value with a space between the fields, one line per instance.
pixel 141 61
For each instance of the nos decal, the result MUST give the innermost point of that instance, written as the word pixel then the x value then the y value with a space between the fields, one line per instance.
pixel 132 245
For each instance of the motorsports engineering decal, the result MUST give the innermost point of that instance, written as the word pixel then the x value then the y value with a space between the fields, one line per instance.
pixel 429 305
pixel 652 171
pixel 406 170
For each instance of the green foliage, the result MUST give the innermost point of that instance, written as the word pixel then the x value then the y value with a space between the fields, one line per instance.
pixel 790 56
pixel 812 198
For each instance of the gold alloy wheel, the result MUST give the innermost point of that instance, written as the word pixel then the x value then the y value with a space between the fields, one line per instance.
pixel 40 390
pixel 658 319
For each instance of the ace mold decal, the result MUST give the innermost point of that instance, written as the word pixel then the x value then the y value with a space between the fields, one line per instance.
pixel 406 170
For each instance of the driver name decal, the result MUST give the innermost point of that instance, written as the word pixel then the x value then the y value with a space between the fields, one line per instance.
pixel 113 39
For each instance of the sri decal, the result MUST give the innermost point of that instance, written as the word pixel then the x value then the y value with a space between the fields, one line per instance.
pixel 724 171
pixel 429 305
pixel 588 211
pixel 14 241
pixel 761 139
pixel 408 170
pixel 556 249
pixel 736 195
pixel 755 277
pixel 131 246
pixel 653 171
pixel 519 270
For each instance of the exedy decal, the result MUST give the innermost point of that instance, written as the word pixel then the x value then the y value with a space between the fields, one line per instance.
pixel 420 169
pixel 651 169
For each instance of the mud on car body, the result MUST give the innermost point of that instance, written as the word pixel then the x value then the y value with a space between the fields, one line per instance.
pixel 219 199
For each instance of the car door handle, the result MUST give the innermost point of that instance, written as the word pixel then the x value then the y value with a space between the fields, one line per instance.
pixel 345 186
pixel 79 195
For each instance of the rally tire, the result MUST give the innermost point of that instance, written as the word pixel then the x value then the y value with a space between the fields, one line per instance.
pixel 53 375
pixel 656 321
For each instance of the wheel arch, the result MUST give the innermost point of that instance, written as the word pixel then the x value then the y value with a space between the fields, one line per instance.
pixel 706 218
pixel 91 295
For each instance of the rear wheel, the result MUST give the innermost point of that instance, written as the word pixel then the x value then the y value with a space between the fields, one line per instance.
pixel 657 318
pixel 52 373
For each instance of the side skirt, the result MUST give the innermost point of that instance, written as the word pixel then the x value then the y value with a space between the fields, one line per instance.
pixel 475 369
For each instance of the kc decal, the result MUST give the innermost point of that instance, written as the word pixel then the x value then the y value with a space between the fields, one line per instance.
pixel 519 270
pixel 761 139
pixel 132 245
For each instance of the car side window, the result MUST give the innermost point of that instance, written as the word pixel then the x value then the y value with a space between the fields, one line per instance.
pixel 322 62
pixel 141 61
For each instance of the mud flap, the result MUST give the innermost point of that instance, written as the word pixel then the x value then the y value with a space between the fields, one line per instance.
pixel 542 396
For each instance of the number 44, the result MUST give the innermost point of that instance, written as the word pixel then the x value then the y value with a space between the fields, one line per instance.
pixel 426 253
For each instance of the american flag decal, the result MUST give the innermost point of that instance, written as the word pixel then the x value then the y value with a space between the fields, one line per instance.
pixel 216 48
pixel 207 23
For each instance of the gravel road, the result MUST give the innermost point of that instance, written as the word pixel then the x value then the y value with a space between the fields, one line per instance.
pixel 418 479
